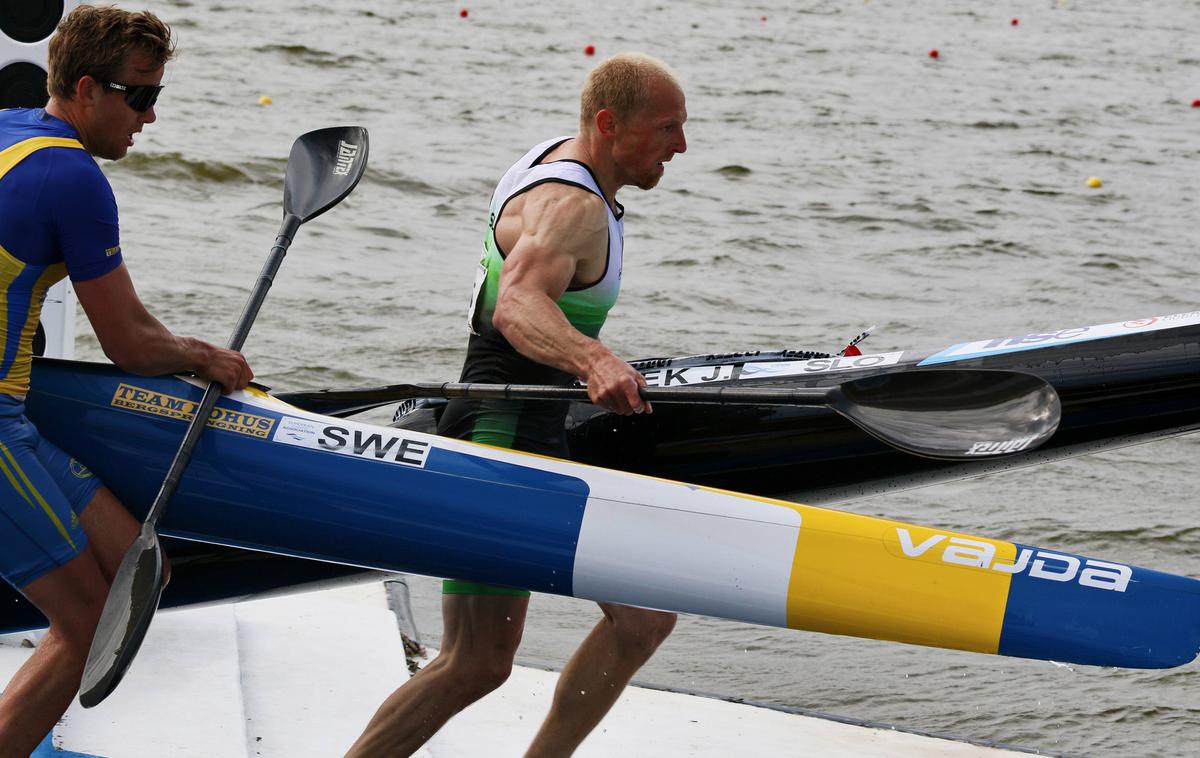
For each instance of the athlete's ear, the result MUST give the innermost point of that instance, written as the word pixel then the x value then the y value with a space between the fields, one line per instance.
pixel 606 123
pixel 86 89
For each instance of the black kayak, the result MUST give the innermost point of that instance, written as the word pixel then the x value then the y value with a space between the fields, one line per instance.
pixel 1119 384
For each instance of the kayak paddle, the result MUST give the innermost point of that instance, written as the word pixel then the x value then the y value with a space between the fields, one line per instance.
pixel 939 413
pixel 324 167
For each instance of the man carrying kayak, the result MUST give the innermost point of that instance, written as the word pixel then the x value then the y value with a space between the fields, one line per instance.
pixel 550 272
pixel 62 534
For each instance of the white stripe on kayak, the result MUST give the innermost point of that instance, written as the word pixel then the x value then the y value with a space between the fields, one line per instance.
pixel 721 556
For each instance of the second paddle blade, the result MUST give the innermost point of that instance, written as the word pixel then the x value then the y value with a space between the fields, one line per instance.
pixel 324 166
pixel 958 414
pixel 134 594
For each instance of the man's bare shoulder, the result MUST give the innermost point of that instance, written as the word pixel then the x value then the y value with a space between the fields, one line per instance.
pixel 557 219
pixel 562 206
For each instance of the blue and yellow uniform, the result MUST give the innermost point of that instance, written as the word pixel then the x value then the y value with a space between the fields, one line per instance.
pixel 58 217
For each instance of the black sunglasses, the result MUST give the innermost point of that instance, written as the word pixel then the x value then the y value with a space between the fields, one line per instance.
pixel 140 97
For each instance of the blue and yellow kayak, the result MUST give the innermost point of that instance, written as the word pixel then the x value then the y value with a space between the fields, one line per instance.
pixel 268 476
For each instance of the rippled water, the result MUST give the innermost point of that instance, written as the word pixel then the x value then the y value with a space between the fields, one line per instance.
pixel 837 177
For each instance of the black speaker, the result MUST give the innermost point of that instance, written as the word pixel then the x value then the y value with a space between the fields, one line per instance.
pixel 25 30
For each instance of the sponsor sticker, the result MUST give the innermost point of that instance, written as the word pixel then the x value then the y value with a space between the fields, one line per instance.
pixel 820 365
pixel 682 377
pixel 999 447
pixel 297 431
pixel 371 443
pixel 1020 342
pixel 958 550
pixel 142 400
pixel 346 154
pixel 1140 323
pixel 404 408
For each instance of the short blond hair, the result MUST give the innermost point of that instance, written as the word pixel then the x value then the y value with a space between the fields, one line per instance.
pixel 622 85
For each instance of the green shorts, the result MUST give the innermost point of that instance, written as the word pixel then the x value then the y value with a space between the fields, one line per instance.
pixel 510 424
pixel 459 587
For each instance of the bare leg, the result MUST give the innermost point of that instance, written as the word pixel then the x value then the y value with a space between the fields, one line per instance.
pixel 110 530
pixel 72 597
pixel 596 675
pixel 482 633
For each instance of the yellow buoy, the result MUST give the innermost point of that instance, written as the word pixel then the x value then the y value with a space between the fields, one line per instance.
pixel 1094 182
pixel 266 100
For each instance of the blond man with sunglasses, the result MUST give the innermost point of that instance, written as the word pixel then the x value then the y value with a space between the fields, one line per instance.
pixel 62 533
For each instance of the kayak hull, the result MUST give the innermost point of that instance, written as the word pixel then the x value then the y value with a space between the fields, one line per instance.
pixel 1119 384
pixel 206 573
pixel 271 477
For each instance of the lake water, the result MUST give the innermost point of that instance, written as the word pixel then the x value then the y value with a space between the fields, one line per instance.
pixel 837 176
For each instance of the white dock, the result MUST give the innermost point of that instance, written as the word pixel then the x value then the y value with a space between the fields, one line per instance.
pixel 300 676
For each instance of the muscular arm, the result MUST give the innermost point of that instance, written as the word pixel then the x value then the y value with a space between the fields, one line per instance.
pixel 558 231
pixel 137 342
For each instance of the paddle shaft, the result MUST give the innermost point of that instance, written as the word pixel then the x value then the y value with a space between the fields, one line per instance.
pixel 266 278
pixel 323 168
pixel 707 395
pixel 183 456
pixel 960 413
pixel 348 402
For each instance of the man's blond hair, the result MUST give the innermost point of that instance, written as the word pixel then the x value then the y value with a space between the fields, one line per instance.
pixel 622 85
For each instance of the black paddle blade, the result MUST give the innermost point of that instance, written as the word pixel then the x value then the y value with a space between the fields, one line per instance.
pixel 341 403
pixel 324 167
pixel 131 602
pixel 953 414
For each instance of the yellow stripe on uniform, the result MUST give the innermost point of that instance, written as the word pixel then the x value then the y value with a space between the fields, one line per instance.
pixel 33 490
pixel 869 577
pixel 16 380
pixel 15 484
pixel 13 155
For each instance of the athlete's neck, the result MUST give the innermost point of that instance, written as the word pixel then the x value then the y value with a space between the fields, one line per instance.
pixel 63 111
pixel 584 149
